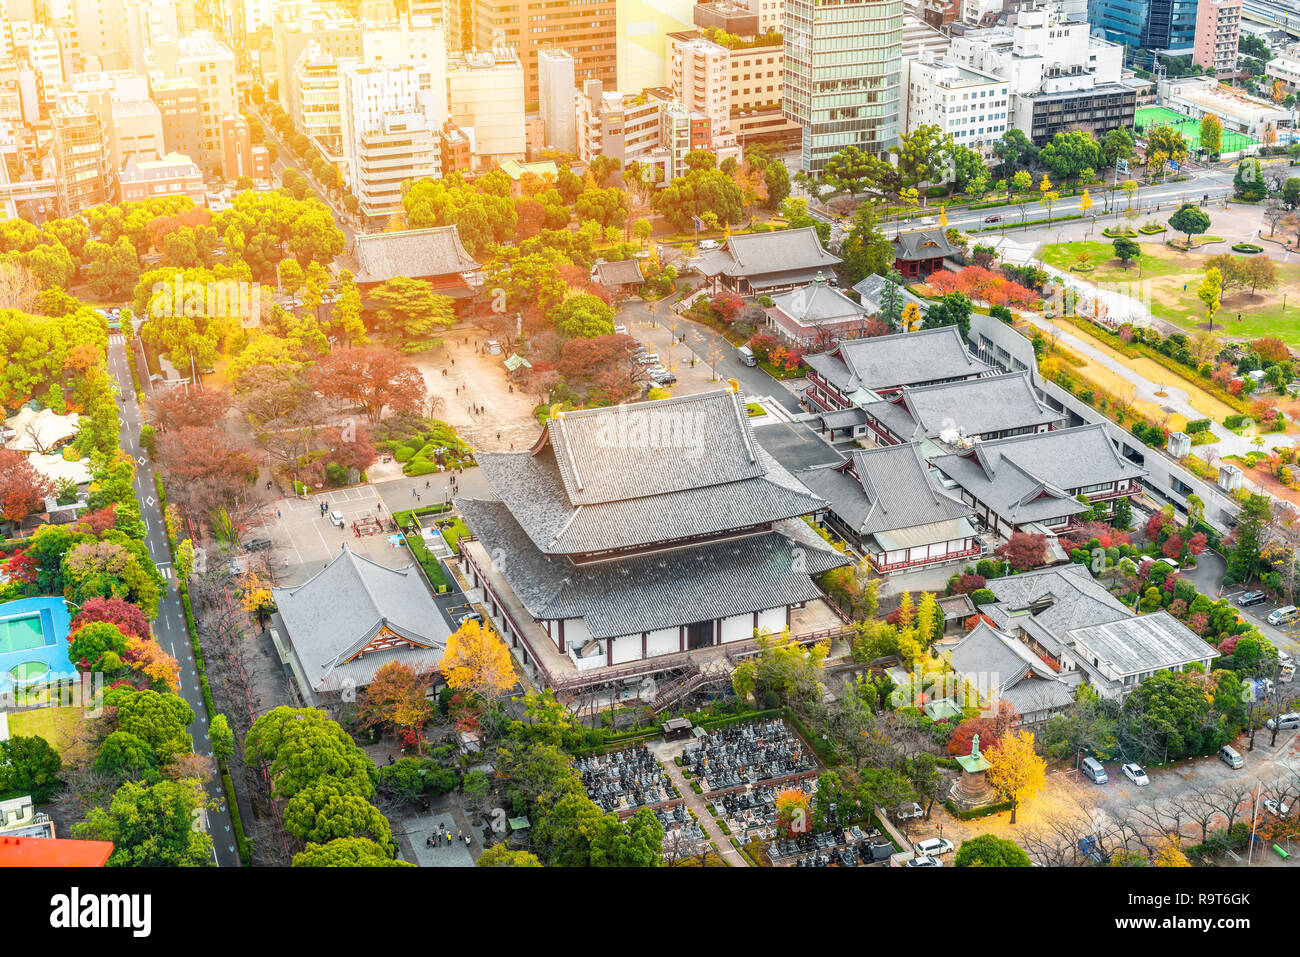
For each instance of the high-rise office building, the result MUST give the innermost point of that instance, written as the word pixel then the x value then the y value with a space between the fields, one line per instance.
pixel 843 75
pixel 588 30
pixel 1145 25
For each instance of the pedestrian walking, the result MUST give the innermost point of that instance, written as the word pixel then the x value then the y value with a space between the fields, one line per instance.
pixel 277 513
pixel 453 361
pixel 467 840
pixel 426 483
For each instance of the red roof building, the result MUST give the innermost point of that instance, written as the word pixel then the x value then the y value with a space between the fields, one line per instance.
pixel 53 852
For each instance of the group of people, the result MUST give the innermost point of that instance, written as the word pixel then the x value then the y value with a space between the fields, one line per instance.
pixel 436 839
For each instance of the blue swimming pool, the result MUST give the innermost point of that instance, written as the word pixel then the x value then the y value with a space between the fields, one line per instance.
pixel 33 641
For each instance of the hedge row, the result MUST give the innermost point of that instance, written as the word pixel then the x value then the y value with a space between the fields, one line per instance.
pixel 241 840
pixel 1028 222
pixel 977 812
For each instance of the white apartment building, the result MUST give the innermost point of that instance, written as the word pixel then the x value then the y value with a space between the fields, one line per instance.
pixel 647 128
pixel 485 98
pixel 971 106
pixel 391 118
pixel 316 93
pixel 211 65
pixel 738 90
pixel 557 87
pixel 1059 77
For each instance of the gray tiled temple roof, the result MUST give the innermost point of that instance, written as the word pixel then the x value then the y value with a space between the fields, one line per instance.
pixel 660 589
pixel 972 406
pixel 339 610
pixel 781 251
pixel 907 358
pixel 417 253
pixel 1028 478
pixel 892 489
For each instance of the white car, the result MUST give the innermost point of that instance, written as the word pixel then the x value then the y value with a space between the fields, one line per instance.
pixel 925 862
pixel 709 244
pixel 1136 774
pixel 1276 808
pixel 933 847
pixel 336 518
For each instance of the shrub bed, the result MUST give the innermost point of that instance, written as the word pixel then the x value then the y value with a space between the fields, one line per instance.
pixel 1123 233
pixel 1248 248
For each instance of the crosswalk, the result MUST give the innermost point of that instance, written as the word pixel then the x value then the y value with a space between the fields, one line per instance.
pixel 116 338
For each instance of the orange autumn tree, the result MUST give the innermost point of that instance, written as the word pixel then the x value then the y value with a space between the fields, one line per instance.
pixel 146 656
pixel 477 662
pixel 395 698
pixel 792 811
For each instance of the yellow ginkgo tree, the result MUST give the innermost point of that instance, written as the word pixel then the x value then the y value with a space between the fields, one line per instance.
pixel 1015 769
pixel 477 662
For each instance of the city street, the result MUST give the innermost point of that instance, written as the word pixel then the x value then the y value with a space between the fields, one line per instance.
pixel 169 627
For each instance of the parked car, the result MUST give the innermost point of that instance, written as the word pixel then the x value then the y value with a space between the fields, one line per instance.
pixel 709 244
pixel 933 846
pixel 666 378
pixel 907 812
pixel 925 862
pixel 620 330
pixel 336 518
pixel 1285 722
pixel 1283 615
pixel 1276 808
pixel 995 218
pixel 648 359
pixel 469 616
pixel 257 544
pixel 1137 774
pixel 1231 757
pixel 1093 771
pixel 1250 598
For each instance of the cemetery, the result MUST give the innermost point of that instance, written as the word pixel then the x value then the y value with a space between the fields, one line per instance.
pixel 624 781
pixel 738 756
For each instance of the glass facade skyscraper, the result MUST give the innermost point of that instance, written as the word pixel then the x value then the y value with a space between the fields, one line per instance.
pixel 1146 24
pixel 843 75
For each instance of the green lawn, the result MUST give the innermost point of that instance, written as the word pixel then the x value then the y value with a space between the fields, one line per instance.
pixel 56 725
pixel 452 532
pixel 1169 270
pixel 1149 116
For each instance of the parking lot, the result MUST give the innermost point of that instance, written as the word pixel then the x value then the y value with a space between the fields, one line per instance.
pixel 304 539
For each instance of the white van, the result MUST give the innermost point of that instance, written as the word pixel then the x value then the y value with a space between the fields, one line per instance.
pixel 1283 615
pixel 747 356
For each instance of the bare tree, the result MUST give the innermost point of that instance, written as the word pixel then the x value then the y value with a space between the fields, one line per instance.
pixel 19 287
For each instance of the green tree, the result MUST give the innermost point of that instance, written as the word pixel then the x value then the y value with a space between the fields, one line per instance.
pixel 332 808
pixel 223 740
pixel 347 852
pixel 99 644
pixel 126 754
pixel 1117 144
pixel 1248 541
pixel 411 313
pixel 499 855
pixel 1014 150
pixel 865 250
pixel 584 315
pixel 1190 219
pixel 1070 153
pixel 157 718
pixel 28 765
pixel 302 745
pixel 1126 250
pixel 152 825
pixel 1248 181
pixel 989 850
pixel 1211 134
pixel 850 171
